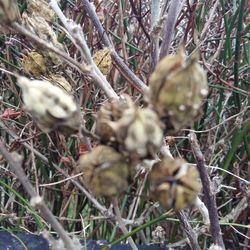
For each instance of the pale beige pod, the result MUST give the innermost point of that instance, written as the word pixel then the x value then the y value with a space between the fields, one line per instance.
pixel 50 106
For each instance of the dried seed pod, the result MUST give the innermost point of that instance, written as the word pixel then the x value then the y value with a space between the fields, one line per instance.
pixel 61 82
pixel 174 183
pixel 102 59
pixel 107 116
pixel 34 64
pixel 177 89
pixel 41 8
pixel 9 11
pixel 136 131
pixel 105 171
pixel 140 132
pixel 39 26
pixel 50 106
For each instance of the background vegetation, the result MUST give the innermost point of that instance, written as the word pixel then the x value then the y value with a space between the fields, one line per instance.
pixel 219 30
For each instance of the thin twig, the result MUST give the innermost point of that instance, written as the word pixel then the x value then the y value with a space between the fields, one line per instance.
pixel 121 223
pixel 155 16
pixel 169 26
pixel 209 197
pixel 121 66
pixel 36 200
pixel 192 237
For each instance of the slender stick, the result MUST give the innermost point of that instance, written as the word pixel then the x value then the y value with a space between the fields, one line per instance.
pixel 209 197
pixel 169 26
pixel 155 15
pixel 36 200
pixel 121 66
pixel 188 230
pixel 121 223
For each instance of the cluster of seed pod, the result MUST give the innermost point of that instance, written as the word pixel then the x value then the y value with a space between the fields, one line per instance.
pixel 130 133
pixel 135 131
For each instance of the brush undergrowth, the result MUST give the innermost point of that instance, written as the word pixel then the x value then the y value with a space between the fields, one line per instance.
pixel 222 38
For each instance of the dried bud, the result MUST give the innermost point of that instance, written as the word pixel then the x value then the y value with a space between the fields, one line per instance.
pixel 105 171
pixel 137 131
pixel 174 183
pixel 107 116
pixel 41 8
pixel 34 64
pixel 9 11
pixel 39 26
pixel 177 89
pixel 102 59
pixel 50 106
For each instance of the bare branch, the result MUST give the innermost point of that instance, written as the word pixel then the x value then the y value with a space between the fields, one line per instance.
pixel 169 26
pixel 209 197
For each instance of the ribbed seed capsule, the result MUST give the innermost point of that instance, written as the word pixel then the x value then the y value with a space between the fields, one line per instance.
pixel 107 116
pixel 34 64
pixel 102 59
pixel 50 106
pixel 136 132
pixel 174 183
pixel 41 8
pixel 105 171
pixel 177 89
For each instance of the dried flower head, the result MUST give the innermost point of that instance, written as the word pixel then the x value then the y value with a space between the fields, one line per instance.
pixel 105 171
pixel 33 63
pixel 177 89
pixel 174 183
pixel 102 59
pixel 107 116
pixel 137 131
pixel 39 26
pixel 9 11
pixel 41 8
pixel 50 106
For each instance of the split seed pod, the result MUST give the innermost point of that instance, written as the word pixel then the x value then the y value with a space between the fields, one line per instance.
pixel 138 132
pixel 102 59
pixel 107 116
pixel 39 26
pixel 41 8
pixel 174 183
pixel 105 171
pixel 9 11
pixel 34 64
pixel 177 89
pixel 50 106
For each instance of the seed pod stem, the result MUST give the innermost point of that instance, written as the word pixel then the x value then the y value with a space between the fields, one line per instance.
pixel 188 230
pixel 209 197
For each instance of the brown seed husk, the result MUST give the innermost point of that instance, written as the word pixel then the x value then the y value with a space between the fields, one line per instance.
pixel 102 59
pixel 177 90
pixel 105 171
pixel 33 63
pixel 132 130
pixel 174 183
